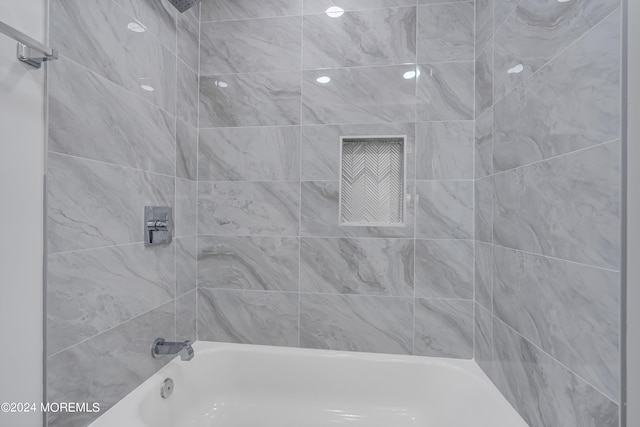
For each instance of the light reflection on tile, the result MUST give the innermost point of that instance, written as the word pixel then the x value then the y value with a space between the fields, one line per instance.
pixel 358 95
pixel 256 99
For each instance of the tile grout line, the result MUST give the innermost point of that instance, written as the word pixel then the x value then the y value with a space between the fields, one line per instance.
pixel 475 121
pixel 113 165
pixel 196 314
pixel 175 199
pixel 598 145
pixel 305 14
pixel 111 82
pixel 319 237
pixel 499 246
pixel 95 248
pixel 335 124
pixel 492 41
pixel 212 75
pixel 300 184
pixel 495 30
pixel 117 245
pixel 324 180
pixel 137 316
pixel 492 173
pixel 329 294
pixel 540 349
pixel 623 327
pixel 415 175
pixel 557 55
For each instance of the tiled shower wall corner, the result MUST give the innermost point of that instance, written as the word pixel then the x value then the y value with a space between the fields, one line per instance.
pixel 547 219
pixel 114 148
pixel 274 266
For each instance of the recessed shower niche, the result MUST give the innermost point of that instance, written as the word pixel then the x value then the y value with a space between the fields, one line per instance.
pixel 372 180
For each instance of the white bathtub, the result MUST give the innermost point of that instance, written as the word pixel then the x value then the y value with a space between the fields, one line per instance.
pixel 235 385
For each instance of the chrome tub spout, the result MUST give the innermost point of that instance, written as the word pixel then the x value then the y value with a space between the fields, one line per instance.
pixel 183 349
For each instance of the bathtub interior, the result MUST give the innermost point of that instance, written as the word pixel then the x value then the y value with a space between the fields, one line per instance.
pixel 236 385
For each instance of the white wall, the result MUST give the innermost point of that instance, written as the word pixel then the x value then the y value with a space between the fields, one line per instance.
pixel 22 144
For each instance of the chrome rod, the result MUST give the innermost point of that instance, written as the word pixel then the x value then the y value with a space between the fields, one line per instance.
pixel 25 39
pixel 30 51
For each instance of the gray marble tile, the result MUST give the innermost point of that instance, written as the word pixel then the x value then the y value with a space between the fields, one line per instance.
pixel 186 207
pixel 566 207
pixel 358 95
pixel 443 1
pixel 249 317
pixel 356 323
pixel 445 210
pixel 501 10
pixel 484 207
pixel 445 150
pixel 372 37
pixel 320 147
pixel 484 275
pixel 445 32
pixel 444 269
pixel 484 144
pixel 570 310
pixel 80 28
pixel 242 208
pixel 484 24
pixel 91 291
pixel 186 316
pixel 253 263
pixel 357 266
pixel 536 31
pixel 92 204
pixel 186 264
pixel 224 10
pixel 571 103
pixel 157 17
pixel 443 328
pixel 249 154
pixel 542 390
pixel 258 99
pixel 189 37
pixel 320 6
pixel 445 91
pixel 270 44
pixel 512 147
pixel 187 94
pixel 83 108
pixel 106 368
pixel 186 151
pixel 483 333
pixel 484 80
pixel 320 214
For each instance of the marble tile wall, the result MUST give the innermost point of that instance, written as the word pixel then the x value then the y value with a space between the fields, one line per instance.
pixel 115 147
pixel 274 265
pixel 510 252
pixel 547 207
